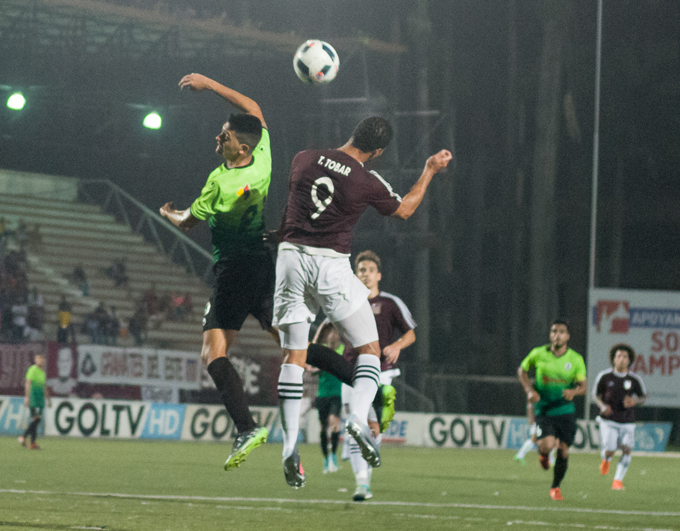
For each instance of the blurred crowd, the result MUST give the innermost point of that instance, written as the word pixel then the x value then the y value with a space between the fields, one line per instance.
pixel 22 307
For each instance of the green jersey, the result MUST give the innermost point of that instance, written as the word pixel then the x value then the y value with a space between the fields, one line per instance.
pixel 36 376
pixel 232 201
pixel 329 385
pixel 554 375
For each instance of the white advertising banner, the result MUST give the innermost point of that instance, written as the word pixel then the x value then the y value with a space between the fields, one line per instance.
pixel 648 321
pixel 100 364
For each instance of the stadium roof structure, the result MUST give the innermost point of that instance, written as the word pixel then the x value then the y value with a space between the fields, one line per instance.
pixel 101 28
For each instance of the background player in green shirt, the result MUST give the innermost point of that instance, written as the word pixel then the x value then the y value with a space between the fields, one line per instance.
pixel 36 392
pixel 232 202
pixel 329 398
pixel 560 376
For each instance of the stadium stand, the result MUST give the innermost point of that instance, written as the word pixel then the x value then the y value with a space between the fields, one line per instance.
pixel 66 234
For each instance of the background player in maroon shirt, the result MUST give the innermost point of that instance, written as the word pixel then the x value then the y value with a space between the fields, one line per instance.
pixel 395 330
pixel 328 192
pixel 616 392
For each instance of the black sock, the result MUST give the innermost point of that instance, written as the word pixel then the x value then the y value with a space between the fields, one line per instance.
pixel 560 469
pixel 33 429
pixel 230 386
pixel 324 442
pixel 328 360
pixel 335 439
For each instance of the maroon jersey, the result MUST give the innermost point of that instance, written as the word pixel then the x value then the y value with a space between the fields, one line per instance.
pixel 327 192
pixel 392 319
pixel 613 387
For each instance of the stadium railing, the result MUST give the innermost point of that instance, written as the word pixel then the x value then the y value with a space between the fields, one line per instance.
pixel 148 224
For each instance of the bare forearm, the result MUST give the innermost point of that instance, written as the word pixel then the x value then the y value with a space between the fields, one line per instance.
pixel 599 402
pixel 412 200
pixel 581 388
pixel 524 380
pixel 241 102
pixel 406 340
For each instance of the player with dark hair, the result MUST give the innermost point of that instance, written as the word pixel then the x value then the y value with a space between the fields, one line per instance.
pixel 232 203
pixel 617 391
pixel 396 332
pixel 328 191
pixel 560 376
pixel 34 399
pixel 328 398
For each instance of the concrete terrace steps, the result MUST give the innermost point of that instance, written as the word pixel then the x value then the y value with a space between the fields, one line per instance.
pixel 76 234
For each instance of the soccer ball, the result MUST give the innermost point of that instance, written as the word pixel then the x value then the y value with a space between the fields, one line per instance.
pixel 316 62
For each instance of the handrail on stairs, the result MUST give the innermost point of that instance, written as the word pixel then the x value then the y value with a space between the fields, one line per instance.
pixel 149 224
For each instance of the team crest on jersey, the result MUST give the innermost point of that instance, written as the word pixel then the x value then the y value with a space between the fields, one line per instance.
pixel 567 366
pixel 627 384
pixel 377 308
pixel 245 191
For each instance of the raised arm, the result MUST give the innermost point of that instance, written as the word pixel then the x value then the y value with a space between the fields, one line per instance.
pixel 198 82
pixel 182 219
pixel 412 200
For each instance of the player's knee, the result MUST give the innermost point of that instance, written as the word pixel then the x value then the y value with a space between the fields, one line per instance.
pixel 625 450
pixel 370 348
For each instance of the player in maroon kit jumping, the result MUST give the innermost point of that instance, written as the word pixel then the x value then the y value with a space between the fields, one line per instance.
pixel 328 191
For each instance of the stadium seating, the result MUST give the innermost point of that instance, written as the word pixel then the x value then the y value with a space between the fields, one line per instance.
pixel 72 234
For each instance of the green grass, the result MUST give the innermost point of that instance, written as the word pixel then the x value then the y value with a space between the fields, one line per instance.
pixel 416 488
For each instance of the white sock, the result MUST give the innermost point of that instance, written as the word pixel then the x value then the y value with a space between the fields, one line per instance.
pixel 378 441
pixel 359 465
pixel 526 448
pixel 365 383
pixel 290 398
pixel 622 467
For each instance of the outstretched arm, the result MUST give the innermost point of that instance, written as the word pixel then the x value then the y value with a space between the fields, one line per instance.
pixel 182 219
pixel 198 82
pixel 412 200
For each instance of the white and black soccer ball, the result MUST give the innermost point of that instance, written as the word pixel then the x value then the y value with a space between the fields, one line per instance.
pixel 316 62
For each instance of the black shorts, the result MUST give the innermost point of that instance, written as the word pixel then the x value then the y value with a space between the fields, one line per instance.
pixel 327 406
pixel 561 426
pixel 244 285
pixel 36 412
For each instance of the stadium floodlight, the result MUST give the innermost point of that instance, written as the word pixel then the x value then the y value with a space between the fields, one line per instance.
pixel 152 121
pixel 16 101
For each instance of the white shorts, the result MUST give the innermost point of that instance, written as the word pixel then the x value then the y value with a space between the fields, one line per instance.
pixel 614 435
pixel 306 283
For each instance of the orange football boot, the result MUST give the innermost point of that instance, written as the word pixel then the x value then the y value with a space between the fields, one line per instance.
pixel 544 460
pixel 604 467
pixel 555 494
pixel 618 485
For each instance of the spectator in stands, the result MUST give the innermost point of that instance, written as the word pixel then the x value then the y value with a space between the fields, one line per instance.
pixel 150 300
pixel 36 313
pixel 117 272
pixel 176 311
pixel 112 328
pixel 137 324
pixel 102 318
pixel 79 278
pixel 19 316
pixel 64 318
pixel 91 327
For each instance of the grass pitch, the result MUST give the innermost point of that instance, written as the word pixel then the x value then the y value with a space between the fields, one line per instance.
pixel 134 485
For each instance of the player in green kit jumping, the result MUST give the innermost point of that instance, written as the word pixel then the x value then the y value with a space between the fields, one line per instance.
pixel 232 202
pixel 36 392
pixel 560 376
